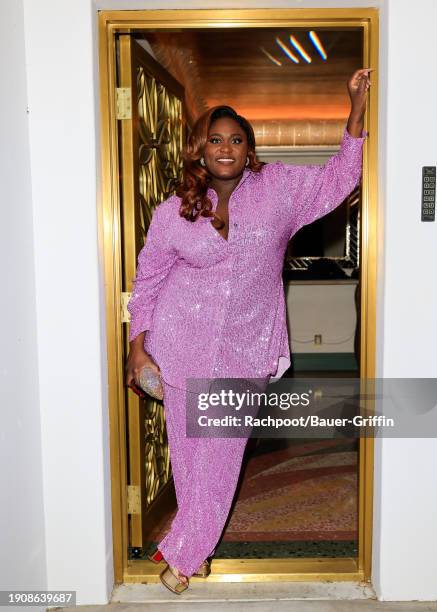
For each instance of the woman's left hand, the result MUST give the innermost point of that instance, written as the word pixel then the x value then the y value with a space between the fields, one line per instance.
pixel 357 87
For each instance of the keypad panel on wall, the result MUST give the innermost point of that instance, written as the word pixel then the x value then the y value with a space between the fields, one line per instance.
pixel 428 193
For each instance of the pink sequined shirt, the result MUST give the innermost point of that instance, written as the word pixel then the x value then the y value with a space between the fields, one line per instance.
pixel 214 307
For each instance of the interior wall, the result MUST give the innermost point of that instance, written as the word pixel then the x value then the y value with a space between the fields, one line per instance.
pixel 405 537
pixel 22 532
pixel 62 85
pixel 64 157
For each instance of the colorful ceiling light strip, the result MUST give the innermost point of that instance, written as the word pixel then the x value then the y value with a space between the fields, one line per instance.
pixel 318 45
pixel 299 48
pixel 271 58
pixel 287 51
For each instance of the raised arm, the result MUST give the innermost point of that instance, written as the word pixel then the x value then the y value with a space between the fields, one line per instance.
pixel 154 263
pixel 358 86
pixel 312 191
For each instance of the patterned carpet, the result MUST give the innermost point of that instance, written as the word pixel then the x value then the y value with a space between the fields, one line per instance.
pixel 306 491
pixel 295 498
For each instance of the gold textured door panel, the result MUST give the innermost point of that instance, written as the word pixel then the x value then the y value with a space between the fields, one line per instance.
pixel 151 124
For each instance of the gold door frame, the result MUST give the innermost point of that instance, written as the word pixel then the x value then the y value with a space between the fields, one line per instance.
pixel 114 22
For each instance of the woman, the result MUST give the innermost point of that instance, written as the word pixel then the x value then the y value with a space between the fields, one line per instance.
pixel 208 298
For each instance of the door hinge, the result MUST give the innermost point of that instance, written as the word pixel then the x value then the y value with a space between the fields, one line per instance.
pixel 133 499
pixel 125 314
pixel 124 102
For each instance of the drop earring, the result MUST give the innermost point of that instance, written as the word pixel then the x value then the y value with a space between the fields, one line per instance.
pixel 247 161
pixel 202 162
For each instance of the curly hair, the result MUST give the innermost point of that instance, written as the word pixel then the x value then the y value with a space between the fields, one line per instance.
pixel 194 185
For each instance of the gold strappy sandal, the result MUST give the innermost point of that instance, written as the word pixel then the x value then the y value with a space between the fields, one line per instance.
pixel 171 581
pixel 204 569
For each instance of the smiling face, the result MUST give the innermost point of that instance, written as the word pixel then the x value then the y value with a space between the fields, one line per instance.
pixel 226 149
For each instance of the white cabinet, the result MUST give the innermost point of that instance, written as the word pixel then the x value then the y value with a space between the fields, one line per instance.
pixel 324 308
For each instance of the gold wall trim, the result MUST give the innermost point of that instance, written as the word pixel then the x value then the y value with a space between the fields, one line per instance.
pixel 115 22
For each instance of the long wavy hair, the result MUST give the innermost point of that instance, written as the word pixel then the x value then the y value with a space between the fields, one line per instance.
pixel 196 178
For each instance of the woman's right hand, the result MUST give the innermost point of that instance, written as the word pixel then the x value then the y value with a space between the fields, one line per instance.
pixel 137 359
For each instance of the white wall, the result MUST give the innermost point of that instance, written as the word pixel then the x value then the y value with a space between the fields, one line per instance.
pixel 405 532
pixel 61 53
pixel 22 531
pixel 62 85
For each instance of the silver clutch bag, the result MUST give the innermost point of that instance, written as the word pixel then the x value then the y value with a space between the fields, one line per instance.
pixel 151 382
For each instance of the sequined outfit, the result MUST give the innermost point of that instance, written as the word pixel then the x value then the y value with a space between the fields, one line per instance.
pixel 205 474
pixel 216 308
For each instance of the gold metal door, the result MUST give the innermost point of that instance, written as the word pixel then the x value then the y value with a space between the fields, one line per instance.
pixel 151 135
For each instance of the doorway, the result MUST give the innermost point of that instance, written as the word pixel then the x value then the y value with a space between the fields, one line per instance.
pixel 153 32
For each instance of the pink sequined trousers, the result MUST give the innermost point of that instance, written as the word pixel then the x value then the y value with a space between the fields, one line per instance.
pixel 205 472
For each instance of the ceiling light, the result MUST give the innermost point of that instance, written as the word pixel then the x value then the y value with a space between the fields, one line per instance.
pixel 318 45
pixel 299 48
pixel 271 58
pixel 287 51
